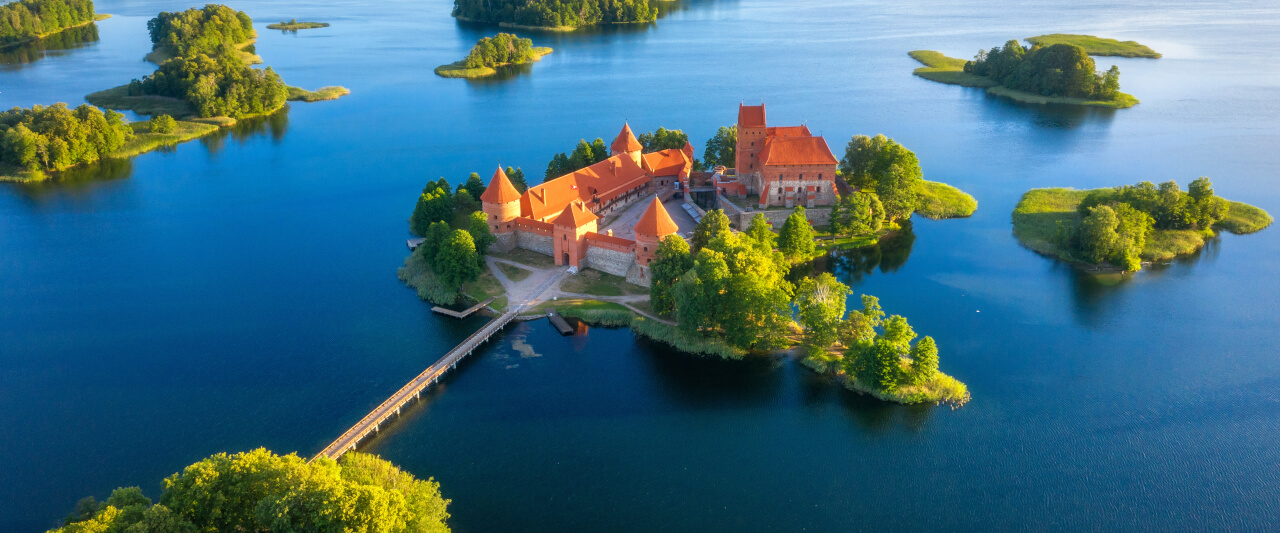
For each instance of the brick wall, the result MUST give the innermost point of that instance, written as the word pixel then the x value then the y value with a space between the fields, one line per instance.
pixel 824 192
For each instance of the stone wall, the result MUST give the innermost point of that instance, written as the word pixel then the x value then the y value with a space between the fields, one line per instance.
pixel 638 275
pixel 505 242
pixel 535 242
pixel 610 261
pixel 777 193
pixel 818 216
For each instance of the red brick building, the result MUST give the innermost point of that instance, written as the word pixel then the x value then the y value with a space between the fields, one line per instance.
pixel 785 165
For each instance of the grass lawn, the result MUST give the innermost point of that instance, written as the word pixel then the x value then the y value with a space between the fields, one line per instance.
pixel 145 141
pixel 943 69
pixel 1097 46
pixel 940 68
pixel 580 304
pixel 484 287
pixel 298 94
pixel 1036 217
pixel 596 283
pixel 941 389
pixel 295 26
pixel 939 200
pixel 526 257
pixel 828 241
pixel 513 273
pixel 457 70
pixel 17 174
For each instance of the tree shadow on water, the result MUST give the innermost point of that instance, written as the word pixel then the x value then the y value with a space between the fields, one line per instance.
pixel 852 265
pixel 1094 294
pixel 244 130
pixel 14 57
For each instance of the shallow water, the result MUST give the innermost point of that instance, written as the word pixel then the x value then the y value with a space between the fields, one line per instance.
pixel 239 291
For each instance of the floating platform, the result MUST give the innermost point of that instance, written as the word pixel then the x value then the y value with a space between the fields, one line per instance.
pixel 559 322
pixel 414 243
pixel 461 314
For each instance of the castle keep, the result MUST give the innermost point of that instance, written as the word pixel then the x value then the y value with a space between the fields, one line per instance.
pixel 786 165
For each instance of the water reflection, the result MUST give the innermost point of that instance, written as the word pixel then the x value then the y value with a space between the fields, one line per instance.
pixel 852 265
pixel 17 56
pixel 1094 292
pixel 78 178
pixel 275 124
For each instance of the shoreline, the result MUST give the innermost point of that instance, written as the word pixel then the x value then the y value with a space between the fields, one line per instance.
pixel 18 44
pixel 456 70
pixel 949 70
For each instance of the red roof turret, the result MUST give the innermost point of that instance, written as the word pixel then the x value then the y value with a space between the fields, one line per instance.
pixel 655 222
pixel 626 141
pixel 500 189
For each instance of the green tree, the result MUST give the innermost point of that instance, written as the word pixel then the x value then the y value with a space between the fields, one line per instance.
pixel 859 165
pixel 670 261
pixel 924 361
pixel 464 202
pixel 820 304
pixel 475 186
pixel 1098 234
pixel 435 204
pixel 457 261
pixel 713 224
pixel 898 181
pixel 795 240
pixel 761 233
pixel 162 124
pixel 663 139
pixel 433 240
pixel 516 176
pixel 698 296
pixel 481 235
pixel 860 325
pixel 857 213
pixel 722 148
pixel 1131 236
pixel 888 365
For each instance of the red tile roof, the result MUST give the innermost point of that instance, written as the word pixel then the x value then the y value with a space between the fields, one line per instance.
pixel 655 222
pixel 603 181
pixel 751 116
pixel 797 151
pixel 610 239
pixel 575 215
pixel 500 189
pixel 626 141
pixel 668 163
pixel 788 131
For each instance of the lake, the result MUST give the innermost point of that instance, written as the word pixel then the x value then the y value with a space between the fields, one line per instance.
pixel 239 291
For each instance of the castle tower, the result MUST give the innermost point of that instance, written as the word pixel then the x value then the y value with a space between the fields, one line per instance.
pixel 626 143
pixel 654 224
pixel 569 231
pixel 501 203
pixel 752 131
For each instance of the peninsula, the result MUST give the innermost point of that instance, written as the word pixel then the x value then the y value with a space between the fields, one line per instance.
pixel 491 53
pixel 701 286
pixel 1122 228
pixel 1055 74
pixel 1097 46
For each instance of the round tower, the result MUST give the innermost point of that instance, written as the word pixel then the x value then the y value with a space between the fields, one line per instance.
pixel 626 143
pixel 501 203
pixel 654 224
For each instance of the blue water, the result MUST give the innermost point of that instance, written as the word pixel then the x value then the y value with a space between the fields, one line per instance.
pixel 239 291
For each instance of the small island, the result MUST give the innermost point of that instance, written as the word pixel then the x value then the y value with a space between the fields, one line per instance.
pixel 1120 229
pixel 491 53
pixel 293 25
pixel 553 15
pixel 1097 46
pixel 28 20
pixel 714 283
pixel 1054 74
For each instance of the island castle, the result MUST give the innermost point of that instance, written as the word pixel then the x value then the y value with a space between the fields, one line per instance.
pixel 559 217
pixel 786 166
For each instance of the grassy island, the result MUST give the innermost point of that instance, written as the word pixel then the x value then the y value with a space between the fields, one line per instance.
pixel 298 94
pixel 938 201
pixel 294 25
pixel 998 73
pixel 1121 228
pixel 1097 46
pixel 491 53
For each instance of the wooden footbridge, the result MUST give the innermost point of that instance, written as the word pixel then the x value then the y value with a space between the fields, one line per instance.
pixel 372 422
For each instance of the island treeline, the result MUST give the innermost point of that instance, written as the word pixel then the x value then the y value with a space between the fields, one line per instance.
pixel 262 491
pixel 207 70
pixel 590 153
pixel 555 13
pixel 29 19
pixel 733 288
pixel 1116 222
pixel 56 138
pixel 1063 70
pixel 208 30
pixel 501 49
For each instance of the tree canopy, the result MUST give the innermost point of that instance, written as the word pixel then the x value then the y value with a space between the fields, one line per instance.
pixel 857 213
pixel 28 19
pixel 501 49
pixel 435 204
pixel 584 155
pixel 1056 70
pixel 795 239
pixel 663 139
pixel 722 148
pixel 889 169
pixel 261 491
pixel 737 292
pixel 208 30
pixel 57 138
pixel 516 177
pixel 555 13
pixel 670 261
pixel 713 224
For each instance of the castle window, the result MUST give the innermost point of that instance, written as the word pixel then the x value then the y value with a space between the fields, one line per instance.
pixel 802 175
pixel 819 175
pixel 779 175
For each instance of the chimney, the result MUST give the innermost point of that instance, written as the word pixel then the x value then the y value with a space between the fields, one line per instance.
pixel 608 232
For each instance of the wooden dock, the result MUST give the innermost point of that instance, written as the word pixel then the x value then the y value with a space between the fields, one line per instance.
pixel 372 422
pixel 462 314
pixel 559 322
